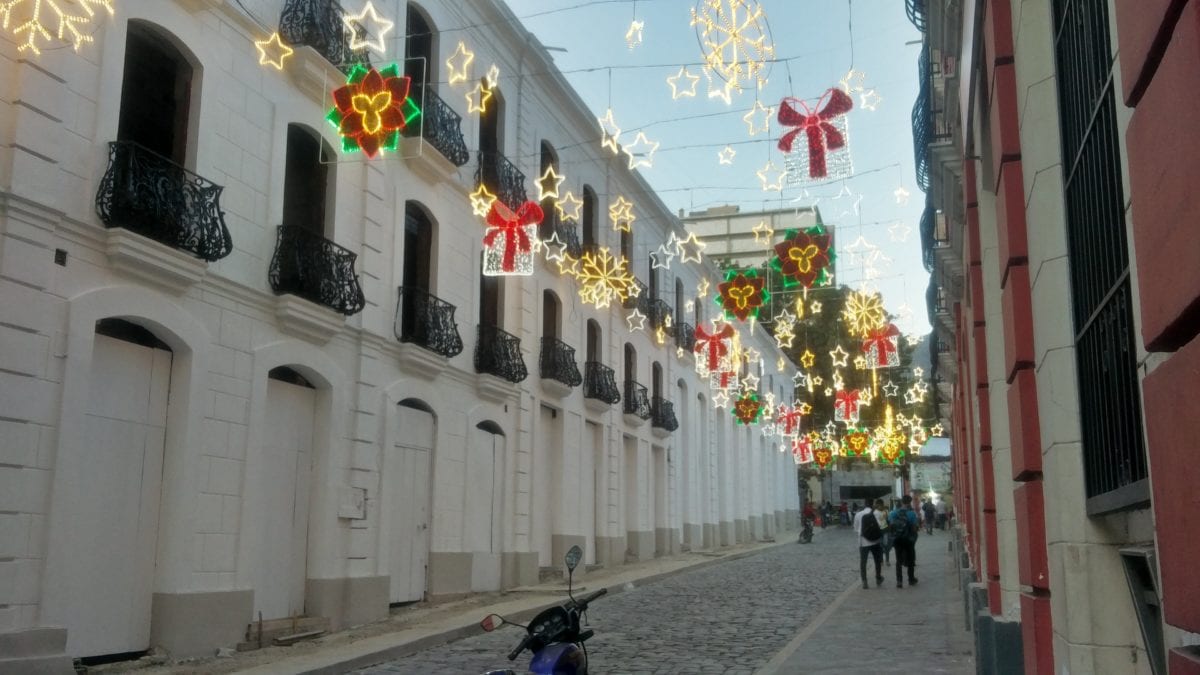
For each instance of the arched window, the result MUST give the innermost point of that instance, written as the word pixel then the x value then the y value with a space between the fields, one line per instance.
pixel 306 180
pixel 630 363
pixel 594 345
pixel 550 215
pixel 155 93
pixel 551 319
pixel 418 247
pixel 679 299
pixel 656 380
pixel 653 278
pixel 590 241
pixel 627 246
pixel 491 138
pixel 491 299
pixel 419 49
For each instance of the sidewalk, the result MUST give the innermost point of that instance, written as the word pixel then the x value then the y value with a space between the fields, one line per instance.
pixel 419 627
pixel 928 614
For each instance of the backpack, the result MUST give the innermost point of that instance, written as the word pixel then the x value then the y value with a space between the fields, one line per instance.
pixel 902 528
pixel 870 527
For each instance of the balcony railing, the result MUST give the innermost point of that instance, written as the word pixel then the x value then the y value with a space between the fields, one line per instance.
pixel 557 362
pixel 637 400
pixel 499 353
pixel 310 266
pixel 660 314
pixel 600 383
pixel 427 321
pixel 501 177
pixel 685 337
pixel 442 128
pixel 318 24
pixel 641 300
pixel 147 193
pixel 663 414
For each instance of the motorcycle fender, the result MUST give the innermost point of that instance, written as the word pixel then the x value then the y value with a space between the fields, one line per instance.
pixel 559 659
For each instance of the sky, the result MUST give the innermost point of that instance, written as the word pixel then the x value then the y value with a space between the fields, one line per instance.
pixel 813 51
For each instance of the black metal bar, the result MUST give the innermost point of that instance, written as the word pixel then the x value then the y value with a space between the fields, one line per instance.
pixel 685 336
pixel 637 400
pixel 663 412
pixel 660 314
pixel 441 127
pixel 557 362
pixel 499 353
pixel 427 321
pixel 316 269
pixel 318 24
pixel 600 383
pixel 502 177
pixel 147 193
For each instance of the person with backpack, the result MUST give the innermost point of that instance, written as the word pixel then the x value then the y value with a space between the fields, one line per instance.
pixel 866 524
pixel 902 523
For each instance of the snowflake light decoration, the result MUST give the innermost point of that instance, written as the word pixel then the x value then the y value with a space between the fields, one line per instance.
pixel 71 18
pixel 603 278
pixel 864 313
pixel 735 40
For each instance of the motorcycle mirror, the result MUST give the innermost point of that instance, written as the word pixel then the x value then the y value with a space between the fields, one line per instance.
pixel 491 622
pixel 572 558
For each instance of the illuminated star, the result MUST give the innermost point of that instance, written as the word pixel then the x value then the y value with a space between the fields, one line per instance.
pixel 910 397
pixel 828 392
pixel 917 372
pixel 838 382
pixel 771 176
pixel 857 249
pixel 379 28
pixel 492 76
pixel 762 233
pixel 481 201
pixel 718 88
pixel 784 337
pixel 636 320
pixel 725 156
pixel 901 195
pixel 814 307
pixel 800 379
pixel 860 362
pixel 853 81
pixel 477 99
pixel 609 132
pixel 272 52
pixel 839 356
pixel 937 429
pixel 913 340
pixel 679 92
pixel 640 151
pixel 621 213
pixel 758 119
pixel 556 249
pixel 548 183
pixel 569 266
pixel 807 359
pixel 805 408
pixel 750 382
pixel 679 352
pixel 865 397
pixel 660 334
pixel 899 231
pixel 689 251
pixel 569 207
pixel 689 306
pixel 891 389
pixel 869 100
pixel 702 288
pixel 458 71
pixel 633 36
pixel 721 400
pixel 817 380
pixel 781 364
pixel 785 317
pixel 661 258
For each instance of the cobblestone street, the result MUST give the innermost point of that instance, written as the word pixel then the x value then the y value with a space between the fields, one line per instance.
pixel 726 618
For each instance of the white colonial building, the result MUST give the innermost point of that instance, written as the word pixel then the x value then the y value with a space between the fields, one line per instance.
pixel 244 373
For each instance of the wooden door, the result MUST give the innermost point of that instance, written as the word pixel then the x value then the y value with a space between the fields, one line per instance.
pixel 406 495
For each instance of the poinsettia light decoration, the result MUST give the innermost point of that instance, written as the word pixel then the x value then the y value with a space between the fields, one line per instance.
pixel 372 109
pixel 742 294
pixel 805 257
pixel 509 240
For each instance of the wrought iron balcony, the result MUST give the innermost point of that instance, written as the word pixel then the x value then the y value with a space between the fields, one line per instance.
pixel 558 362
pixel 637 400
pixel 569 235
pixel 641 301
pixel 600 383
pixel 663 414
pixel 499 353
pixel 660 314
pixel 310 266
pixel 427 321
pixel 146 193
pixel 501 177
pixel 685 336
pixel 318 24
pixel 442 128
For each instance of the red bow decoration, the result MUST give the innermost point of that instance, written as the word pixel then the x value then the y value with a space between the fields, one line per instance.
pixel 802 450
pixel 882 341
pixel 502 220
pixel 822 135
pixel 713 343
pixel 789 417
pixel 845 405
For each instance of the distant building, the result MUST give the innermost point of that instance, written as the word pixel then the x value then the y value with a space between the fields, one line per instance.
pixel 729 235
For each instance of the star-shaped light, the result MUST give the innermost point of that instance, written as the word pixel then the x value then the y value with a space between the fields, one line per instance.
pixel 838 382
pixel 785 318
pixel 913 340
pixel 854 81
pixel 910 397
pixel 814 307
pixel 689 251
pixel 721 400
pixel 898 231
pixel 865 397
pixel 750 382
pixel 771 176
pixel 458 63
pixel 660 335
pixel 689 89
pixel 901 195
pixel 621 213
pixel 805 408
pixel 569 266
pixel 800 379
pixel 784 336
pixel 548 183
pixel 689 306
pixel 641 151
pixel 379 27
pixel 492 76
pixel 569 207
pixel 636 320
pixel 781 364
pixel 937 429
pixel 890 388
pixel 725 156
pixel 752 355
pixel 702 288
pixel 869 100
pixel 477 99
pixel 860 362
pixel 758 119
pixel 918 372
pixel 481 201
pixel 762 233
pixel 609 132
pixel 679 352
pixel 556 249
pixel 830 428
pixel 839 356
pixel 828 392
pixel 633 36
pixel 817 381
pixel 661 257
pixel 272 51
pixel 718 88
pixel 807 359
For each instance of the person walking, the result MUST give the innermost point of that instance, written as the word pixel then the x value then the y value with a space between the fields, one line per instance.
pixel 867 525
pixel 902 523
pixel 940 509
pixel 930 514
pixel 843 514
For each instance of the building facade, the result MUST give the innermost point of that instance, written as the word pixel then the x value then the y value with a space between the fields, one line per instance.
pixel 739 239
pixel 248 374
pixel 1056 150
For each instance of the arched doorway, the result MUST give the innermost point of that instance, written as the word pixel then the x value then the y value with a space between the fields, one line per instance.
pixel 406 493
pixel 484 504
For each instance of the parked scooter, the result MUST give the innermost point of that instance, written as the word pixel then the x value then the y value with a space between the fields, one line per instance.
pixel 806 531
pixel 554 636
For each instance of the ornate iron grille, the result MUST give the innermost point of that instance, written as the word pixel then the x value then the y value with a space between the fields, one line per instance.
pixel 318 24
pixel 685 336
pixel 640 301
pixel 663 414
pixel 916 13
pixel 499 353
pixel 427 321
pixel 501 177
pixel 928 241
pixel 660 314
pixel 557 362
pixel 569 235
pixel 316 269
pixel 442 128
pixel 1114 456
pixel 637 400
pixel 922 119
pixel 147 193
pixel 600 383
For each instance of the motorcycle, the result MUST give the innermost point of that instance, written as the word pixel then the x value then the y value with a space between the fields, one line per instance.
pixel 806 531
pixel 554 636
